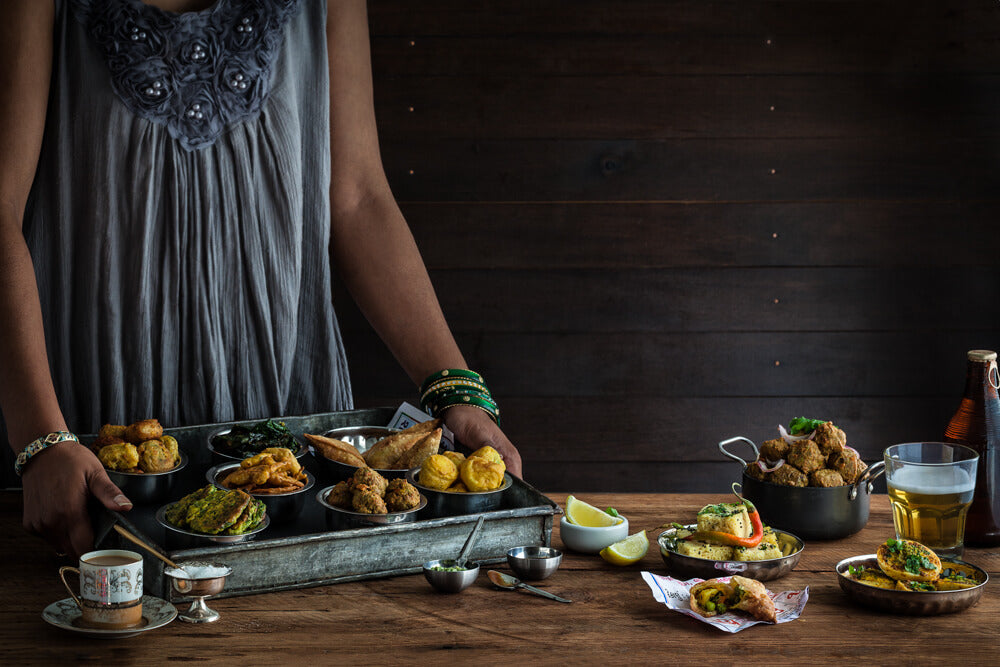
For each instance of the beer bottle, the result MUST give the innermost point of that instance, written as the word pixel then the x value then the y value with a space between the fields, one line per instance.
pixel 976 424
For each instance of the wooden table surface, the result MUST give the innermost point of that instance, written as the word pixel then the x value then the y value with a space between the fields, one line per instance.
pixel 613 617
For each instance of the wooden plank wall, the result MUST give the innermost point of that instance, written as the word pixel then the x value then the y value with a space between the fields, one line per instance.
pixel 656 225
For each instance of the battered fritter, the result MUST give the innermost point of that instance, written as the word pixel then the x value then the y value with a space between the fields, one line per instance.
pixel 400 496
pixel 773 450
pixel 121 456
pixel 805 456
pixel 154 457
pixel 249 519
pixel 829 438
pixel 340 495
pixel 366 501
pixel 788 475
pixel 369 478
pixel 212 515
pixel 848 464
pixel 825 478
pixel 177 513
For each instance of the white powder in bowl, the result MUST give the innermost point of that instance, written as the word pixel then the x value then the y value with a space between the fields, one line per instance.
pixel 197 572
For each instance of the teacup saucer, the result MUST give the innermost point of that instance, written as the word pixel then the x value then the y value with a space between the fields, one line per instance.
pixel 66 615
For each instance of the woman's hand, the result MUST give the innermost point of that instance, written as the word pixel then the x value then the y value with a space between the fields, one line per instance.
pixel 57 484
pixel 474 429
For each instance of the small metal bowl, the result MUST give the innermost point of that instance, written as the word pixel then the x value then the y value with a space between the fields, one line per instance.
pixel 221 457
pixel 198 586
pixel 450 582
pixel 448 503
pixel 178 537
pixel 144 488
pixel 362 438
pixel 281 507
pixel 338 518
pixel 534 563
pixel 911 603
pixel 761 570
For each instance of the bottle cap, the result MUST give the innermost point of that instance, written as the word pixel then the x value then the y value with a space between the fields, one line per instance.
pixel 982 355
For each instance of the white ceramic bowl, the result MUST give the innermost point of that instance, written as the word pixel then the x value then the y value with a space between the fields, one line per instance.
pixel 591 540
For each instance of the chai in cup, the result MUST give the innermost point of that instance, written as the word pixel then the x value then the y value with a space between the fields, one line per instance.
pixel 930 488
pixel 110 589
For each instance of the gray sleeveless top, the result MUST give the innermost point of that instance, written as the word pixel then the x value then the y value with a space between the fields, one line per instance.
pixel 179 221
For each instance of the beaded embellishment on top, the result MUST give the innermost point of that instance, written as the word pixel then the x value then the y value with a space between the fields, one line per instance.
pixel 196 72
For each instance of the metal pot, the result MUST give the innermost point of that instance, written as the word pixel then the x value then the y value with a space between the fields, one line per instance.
pixel 812 513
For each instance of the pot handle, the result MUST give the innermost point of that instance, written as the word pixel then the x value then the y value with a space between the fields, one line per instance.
pixel 868 477
pixel 722 448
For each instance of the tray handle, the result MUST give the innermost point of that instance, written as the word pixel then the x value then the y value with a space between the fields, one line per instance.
pixel 722 448
pixel 868 478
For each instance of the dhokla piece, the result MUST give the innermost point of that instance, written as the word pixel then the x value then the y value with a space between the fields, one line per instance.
pixel 731 518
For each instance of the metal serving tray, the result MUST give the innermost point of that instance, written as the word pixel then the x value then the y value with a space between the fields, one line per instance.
pixel 306 552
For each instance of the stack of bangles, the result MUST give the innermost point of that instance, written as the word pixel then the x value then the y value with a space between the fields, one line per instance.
pixel 457 386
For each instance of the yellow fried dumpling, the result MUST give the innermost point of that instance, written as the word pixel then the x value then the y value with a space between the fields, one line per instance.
pixel 488 453
pixel 456 457
pixel 437 472
pixel 121 456
pixel 480 474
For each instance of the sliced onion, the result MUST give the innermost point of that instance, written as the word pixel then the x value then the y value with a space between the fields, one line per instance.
pixel 764 468
pixel 792 439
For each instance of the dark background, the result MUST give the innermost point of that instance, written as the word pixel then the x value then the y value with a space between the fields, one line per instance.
pixel 657 225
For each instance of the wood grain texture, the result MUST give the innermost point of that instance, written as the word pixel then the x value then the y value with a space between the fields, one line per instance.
pixel 613 616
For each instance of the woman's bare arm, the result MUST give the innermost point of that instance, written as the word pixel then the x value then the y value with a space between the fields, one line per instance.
pixel 58 481
pixel 369 231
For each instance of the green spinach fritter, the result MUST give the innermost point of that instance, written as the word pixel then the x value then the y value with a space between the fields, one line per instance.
pixel 212 511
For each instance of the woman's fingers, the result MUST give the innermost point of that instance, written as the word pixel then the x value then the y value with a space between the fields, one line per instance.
pixel 474 429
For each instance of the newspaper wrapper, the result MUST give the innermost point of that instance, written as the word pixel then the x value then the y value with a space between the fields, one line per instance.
pixel 676 594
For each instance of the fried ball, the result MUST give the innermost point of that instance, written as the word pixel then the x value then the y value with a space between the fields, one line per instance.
pixel 825 478
pixel 121 456
pixel 112 431
pixel 147 429
pixel 829 438
pixel 438 472
pixel 848 464
pixel 773 450
pixel 170 442
pixel 340 495
pixel 788 475
pixel 368 478
pixel 400 496
pixel 480 474
pixel 755 471
pixel 154 457
pixel 366 501
pixel 103 441
pixel 456 457
pixel 805 456
pixel 489 454
pixel 457 487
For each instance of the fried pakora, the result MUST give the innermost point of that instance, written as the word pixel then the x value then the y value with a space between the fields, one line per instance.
pixel 805 456
pixel 773 450
pixel 438 472
pixel 400 496
pixel 273 471
pixel 788 475
pixel 825 478
pixel 120 456
pixel 340 495
pixel 848 464
pixel 141 431
pixel 215 511
pixel 155 457
pixel 456 457
pixel 368 478
pixel 480 474
pixel 367 501
pixel 829 438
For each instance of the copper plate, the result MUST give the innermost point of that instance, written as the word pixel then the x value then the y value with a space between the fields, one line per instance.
pixel 909 602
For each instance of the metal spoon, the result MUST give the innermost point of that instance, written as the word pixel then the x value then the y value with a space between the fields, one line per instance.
pixel 470 542
pixel 501 580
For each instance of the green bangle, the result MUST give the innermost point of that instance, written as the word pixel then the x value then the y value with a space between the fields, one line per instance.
pixel 457 386
pixel 39 445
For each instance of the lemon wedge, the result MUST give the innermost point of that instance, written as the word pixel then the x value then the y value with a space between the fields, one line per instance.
pixel 627 551
pixel 585 514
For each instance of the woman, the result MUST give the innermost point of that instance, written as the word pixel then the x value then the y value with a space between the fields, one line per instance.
pixel 177 177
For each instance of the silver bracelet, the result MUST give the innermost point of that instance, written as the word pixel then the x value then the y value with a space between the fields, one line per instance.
pixel 41 444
